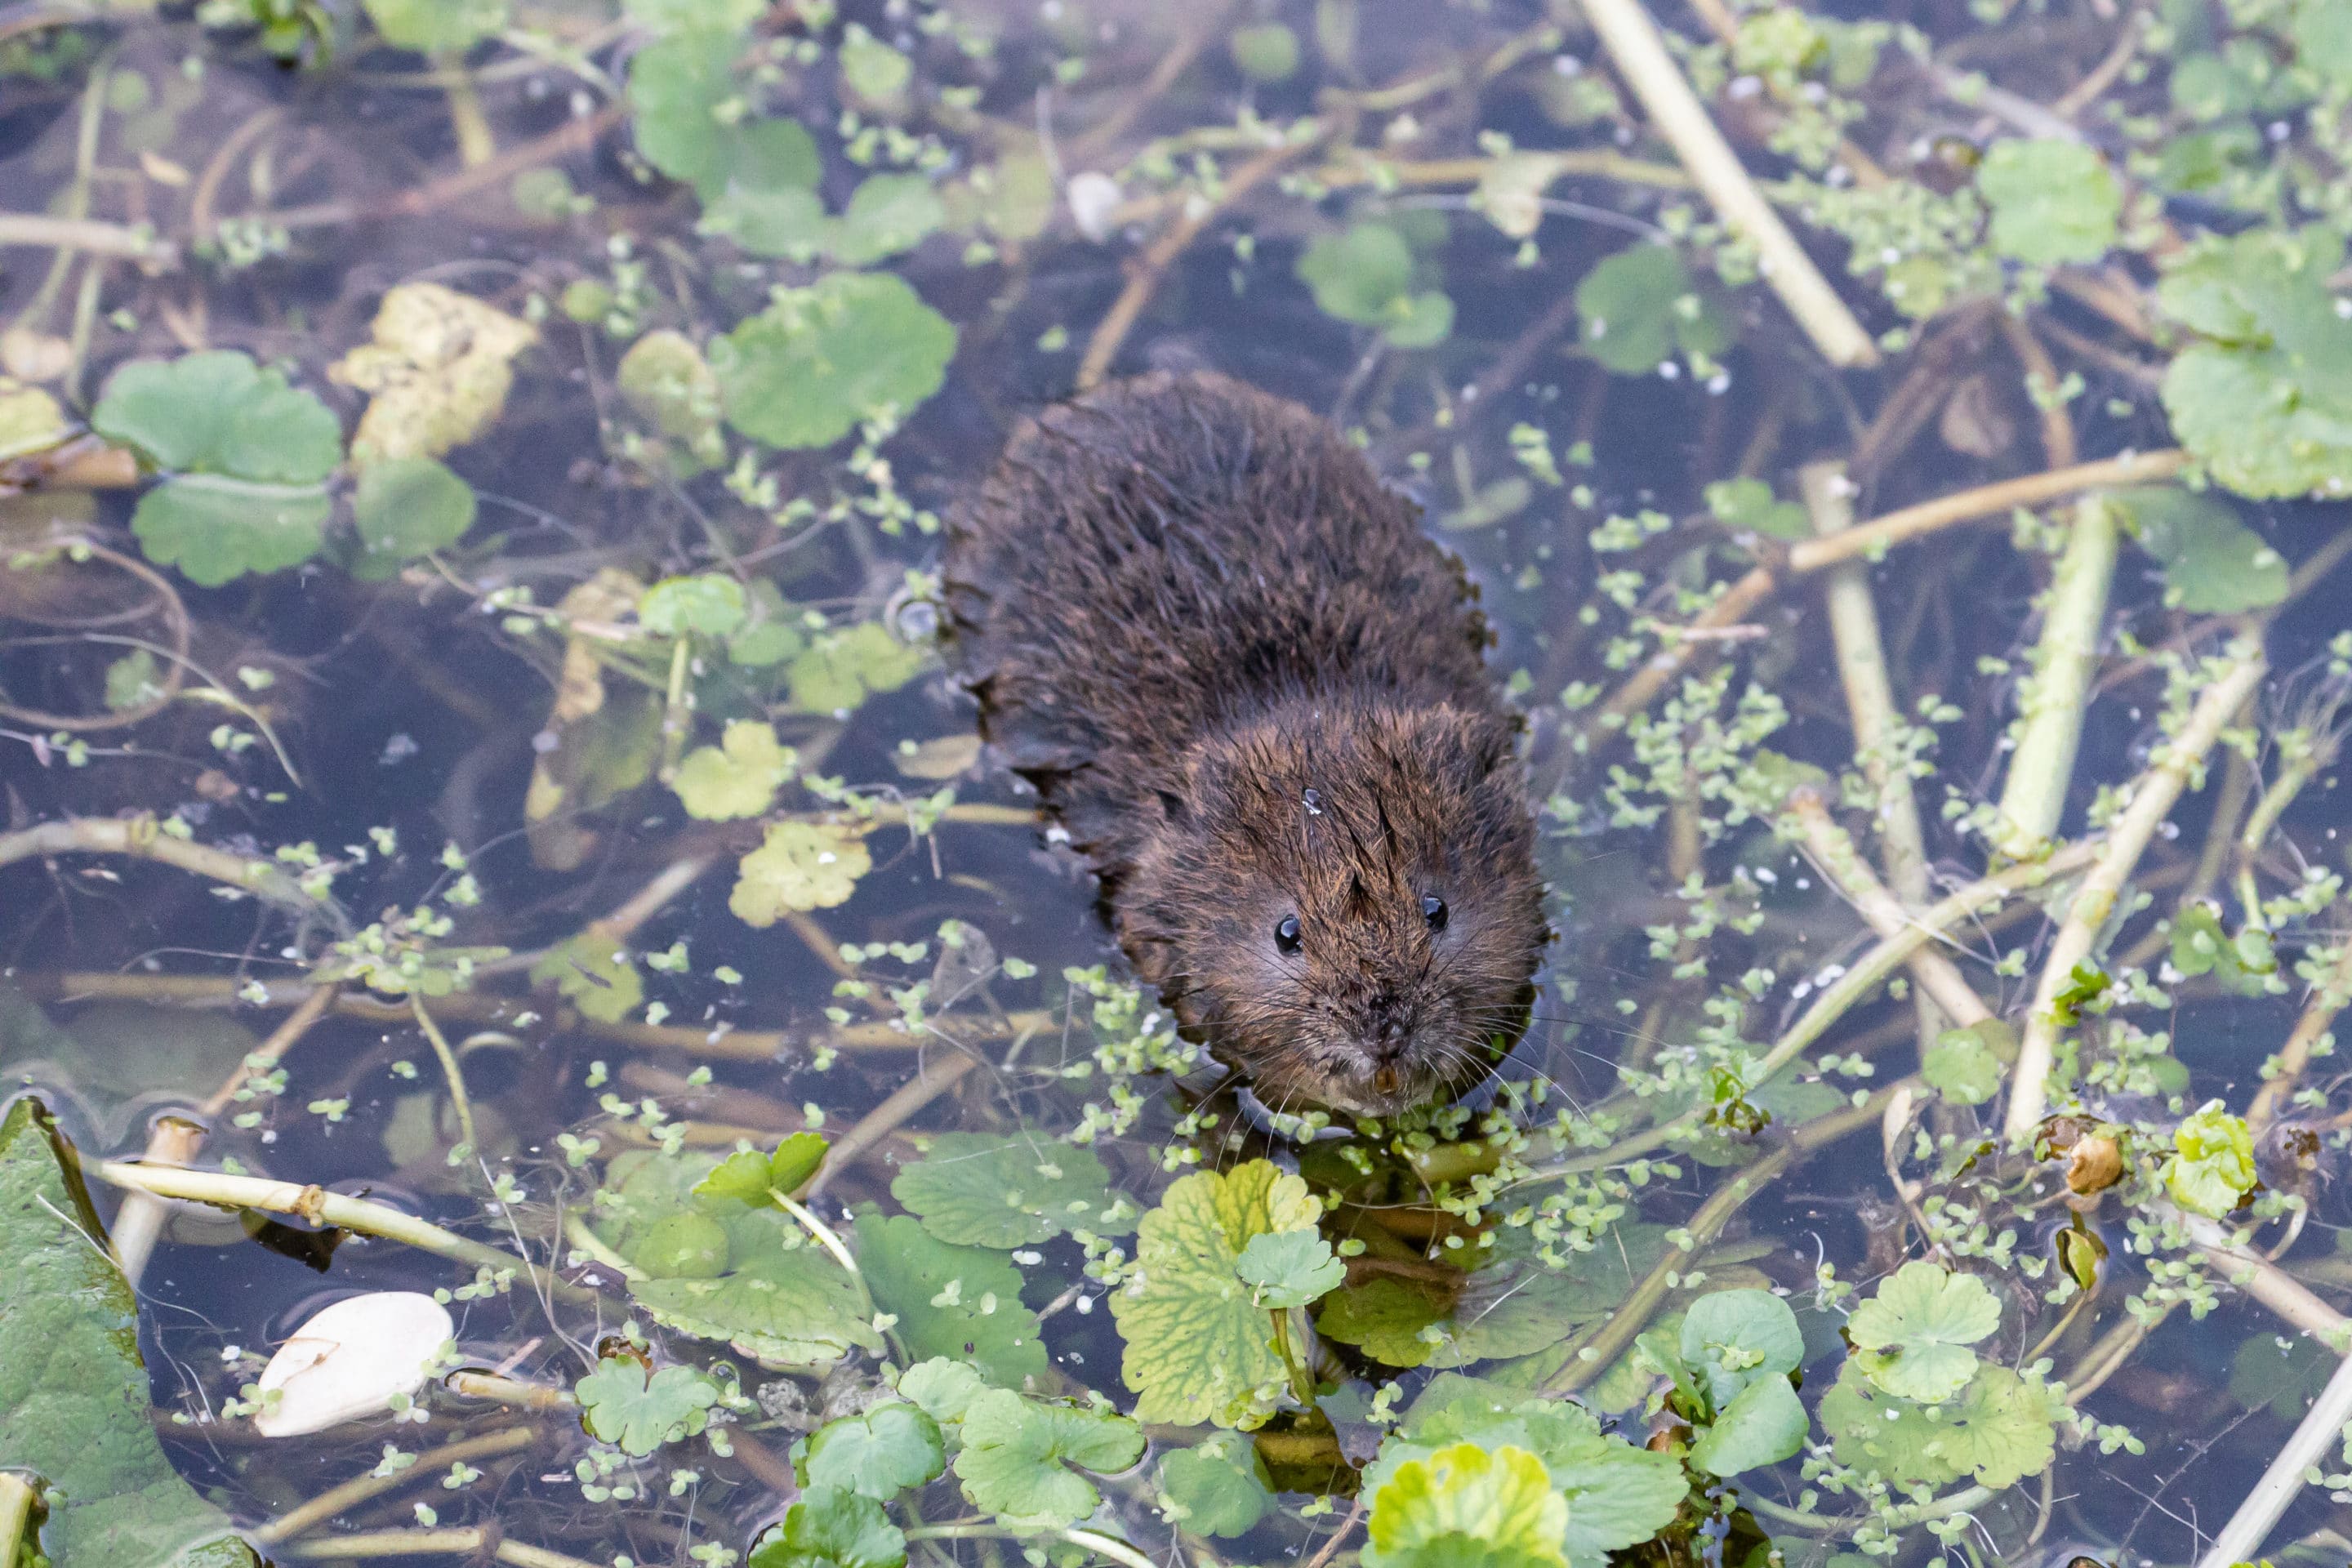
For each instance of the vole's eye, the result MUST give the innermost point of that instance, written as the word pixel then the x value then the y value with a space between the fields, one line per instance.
pixel 1433 909
pixel 1285 935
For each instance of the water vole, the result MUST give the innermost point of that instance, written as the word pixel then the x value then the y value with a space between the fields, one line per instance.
pixel 1254 695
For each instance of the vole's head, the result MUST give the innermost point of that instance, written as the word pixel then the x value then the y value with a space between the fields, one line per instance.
pixel 1342 901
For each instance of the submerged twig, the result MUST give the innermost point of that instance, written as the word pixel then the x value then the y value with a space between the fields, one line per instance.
pixel 2329 999
pixel 375 1483
pixel 142 837
pixel 1987 500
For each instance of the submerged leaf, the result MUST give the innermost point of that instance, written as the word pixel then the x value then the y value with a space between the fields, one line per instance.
pixel 440 363
pixel 799 866
pixel 841 670
pixel 1365 275
pixel 1641 306
pixel 1218 1486
pixel 2266 401
pixel 247 454
pixel 852 346
pixel 2051 201
pixel 961 1302
pixel 2213 564
pixel 437 26
pixel 738 777
pixel 595 974
pixel 405 508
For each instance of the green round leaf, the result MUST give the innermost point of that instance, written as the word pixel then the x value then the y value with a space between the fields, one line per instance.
pixel 709 605
pixel 1763 1425
pixel 1967 1065
pixel 1289 1268
pixel 738 777
pixel 214 529
pixel 2213 564
pixel 689 124
pixel 961 1302
pixel 249 453
pixel 404 508
pixel 683 1246
pixel 887 213
pixel 877 1454
pixel 1638 308
pixel 1197 1348
pixel 799 866
pixel 2001 1429
pixel 1217 1488
pixel 1269 52
pixel 840 669
pixel 1912 1338
pixel 637 1411
pixel 817 361
pixel 2265 404
pixel 1465 1507
pixel 1359 275
pixel 1734 1338
pixel 2051 202
pixel 437 26
pixel 980 1190
pixel 830 1528
pixel 1018 1455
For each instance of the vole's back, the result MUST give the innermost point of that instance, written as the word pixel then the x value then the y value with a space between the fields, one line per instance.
pixel 1173 554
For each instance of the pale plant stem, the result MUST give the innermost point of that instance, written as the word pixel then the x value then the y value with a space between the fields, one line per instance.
pixel 359 1489
pixel 825 1234
pixel 320 1207
pixel 1999 499
pixel 2152 798
pixel 449 1070
pixel 1639 51
pixel 2328 999
pixel 2056 694
pixel 576 1232
pixel 1871 706
pixel 467 124
pixel 15 1513
pixel 2264 817
pixel 176 1140
pixel 2323 1425
pixel 1834 852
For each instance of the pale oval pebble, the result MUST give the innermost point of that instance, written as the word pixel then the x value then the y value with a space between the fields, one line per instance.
pixel 1092 199
pixel 352 1360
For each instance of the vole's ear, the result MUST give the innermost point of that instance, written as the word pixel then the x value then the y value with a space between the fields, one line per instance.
pixel 1172 806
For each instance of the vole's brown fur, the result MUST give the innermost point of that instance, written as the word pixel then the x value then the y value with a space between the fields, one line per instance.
pixel 1252 689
